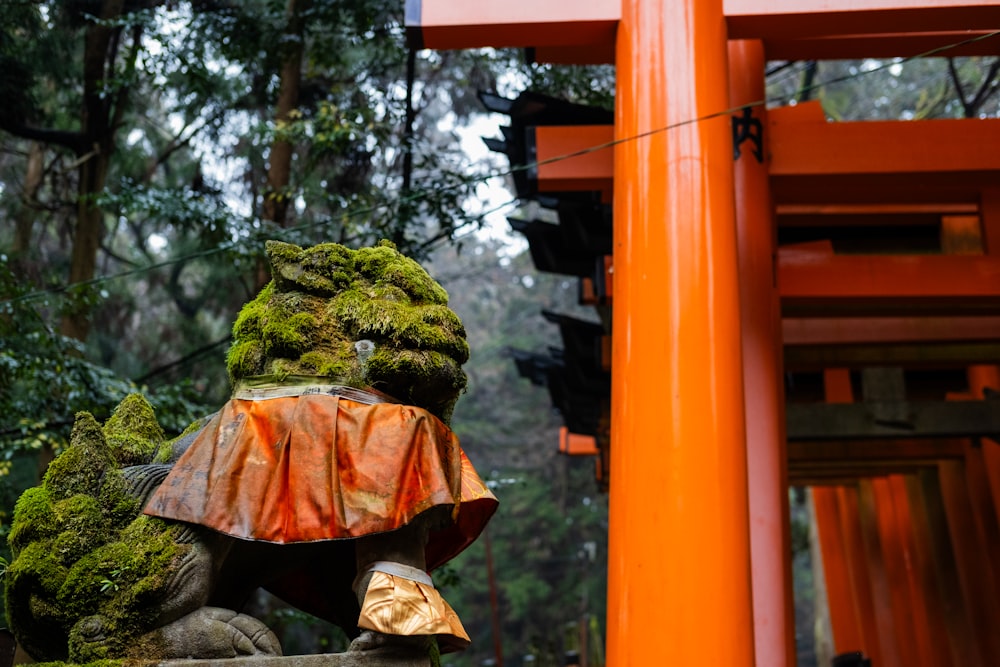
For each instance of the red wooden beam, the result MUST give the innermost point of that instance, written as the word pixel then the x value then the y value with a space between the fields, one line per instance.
pixel 795 19
pixel 980 379
pixel 844 620
pixel 941 166
pixel 882 585
pixel 861 330
pixel 905 613
pixel 975 562
pixel 575 444
pixel 860 575
pixel 767 467
pixel 447 24
pixel 941 161
pixel 574 158
pixel 929 617
pixel 930 529
pixel 811 277
pixel 856 47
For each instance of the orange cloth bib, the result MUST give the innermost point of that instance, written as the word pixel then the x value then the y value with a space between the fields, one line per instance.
pixel 323 467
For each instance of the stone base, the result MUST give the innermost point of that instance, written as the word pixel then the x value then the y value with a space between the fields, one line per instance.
pixel 357 659
pixel 366 659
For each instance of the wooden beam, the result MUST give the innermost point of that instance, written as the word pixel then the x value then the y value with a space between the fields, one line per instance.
pixel 767 462
pixel 447 24
pixel 889 330
pixel 930 527
pixel 860 576
pixel 813 343
pixel 894 559
pixel 797 19
pixel 943 165
pixel 847 634
pixel 882 589
pixel 677 335
pixel 839 452
pixel 890 45
pixel 975 563
pixel 812 279
pixel 575 444
pixel 573 158
pixel 814 161
pixel 932 638
pixel 910 355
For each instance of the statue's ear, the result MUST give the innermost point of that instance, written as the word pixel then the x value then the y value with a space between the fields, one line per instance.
pixel 323 270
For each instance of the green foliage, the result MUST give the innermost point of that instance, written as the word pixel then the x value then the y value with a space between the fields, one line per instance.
pixel 548 538
pixel 874 89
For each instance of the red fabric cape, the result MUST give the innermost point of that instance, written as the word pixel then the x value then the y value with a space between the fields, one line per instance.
pixel 322 467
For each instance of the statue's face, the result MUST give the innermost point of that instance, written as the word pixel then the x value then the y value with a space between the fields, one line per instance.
pixel 370 317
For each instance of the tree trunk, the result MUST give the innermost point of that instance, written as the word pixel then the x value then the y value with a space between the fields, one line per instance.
pixel 24 222
pixel 97 125
pixel 279 169
pixel 280 162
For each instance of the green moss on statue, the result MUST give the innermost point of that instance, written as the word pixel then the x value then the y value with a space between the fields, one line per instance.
pixel 324 299
pixel 85 560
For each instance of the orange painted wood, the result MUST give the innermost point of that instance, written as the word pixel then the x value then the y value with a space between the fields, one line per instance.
pixel 935 163
pixel 819 210
pixel 857 330
pixel 575 444
pixel 810 276
pixel 591 164
pixel 883 603
pixel 931 639
pixel 676 352
pixel 803 143
pixel 983 512
pixel 843 618
pixel 837 385
pixel 886 45
pixel 762 19
pixel 894 558
pixel 930 530
pixel 975 570
pixel 990 213
pixel 982 378
pixel 961 235
pixel 927 613
pixel 884 452
pixel 447 24
pixel 860 576
pixel 943 161
pixel 767 467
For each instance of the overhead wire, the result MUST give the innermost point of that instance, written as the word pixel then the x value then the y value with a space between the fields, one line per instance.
pixel 419 195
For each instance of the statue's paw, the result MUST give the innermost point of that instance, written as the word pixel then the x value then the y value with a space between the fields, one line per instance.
pixel 213 632
pixel 380 642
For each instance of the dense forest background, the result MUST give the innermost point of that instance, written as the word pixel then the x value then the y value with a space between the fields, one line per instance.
pixel 149 147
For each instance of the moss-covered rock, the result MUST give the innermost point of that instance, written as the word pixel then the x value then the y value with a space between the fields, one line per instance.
pixel 324 299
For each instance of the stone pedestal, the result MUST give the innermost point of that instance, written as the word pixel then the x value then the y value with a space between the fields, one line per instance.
pixel 366 659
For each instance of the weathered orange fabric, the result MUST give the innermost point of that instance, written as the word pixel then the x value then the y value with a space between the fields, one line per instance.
pixel 323 467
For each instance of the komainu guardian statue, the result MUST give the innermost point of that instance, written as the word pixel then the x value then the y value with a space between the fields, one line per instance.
pixel 330 478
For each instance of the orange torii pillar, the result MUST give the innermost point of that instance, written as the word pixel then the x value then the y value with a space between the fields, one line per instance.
pixel 679 553
pixel 767 458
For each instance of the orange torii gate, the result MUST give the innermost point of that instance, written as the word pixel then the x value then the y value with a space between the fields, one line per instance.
pixel 698 566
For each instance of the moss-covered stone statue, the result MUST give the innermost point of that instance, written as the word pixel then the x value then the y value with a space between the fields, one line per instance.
pixel 330 478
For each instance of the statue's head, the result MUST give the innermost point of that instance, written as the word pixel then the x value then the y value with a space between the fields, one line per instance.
pixel 365 318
